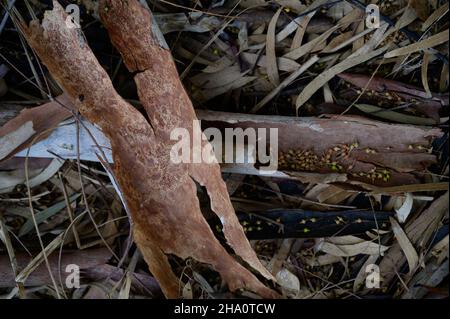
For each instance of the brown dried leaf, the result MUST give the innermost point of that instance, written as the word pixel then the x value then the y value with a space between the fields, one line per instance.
pixel 271 64
pixel 328 74
pixel 435 16
pixel 424 74
pixel 425 44
pixel 405 244
pixel 367 247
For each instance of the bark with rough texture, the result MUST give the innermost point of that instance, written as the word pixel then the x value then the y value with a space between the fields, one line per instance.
pixel 160 195
pixel 366 151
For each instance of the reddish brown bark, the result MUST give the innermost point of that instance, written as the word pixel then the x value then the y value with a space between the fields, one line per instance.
pixel 367 151
pixel 160 195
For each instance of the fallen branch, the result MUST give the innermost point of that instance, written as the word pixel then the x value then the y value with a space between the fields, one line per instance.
pixel 366 152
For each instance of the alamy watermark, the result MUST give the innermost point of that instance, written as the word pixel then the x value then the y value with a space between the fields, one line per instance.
pixel 239 146
pixel 73 277
pixel 372 16
pixel 373 276
pixel 73 16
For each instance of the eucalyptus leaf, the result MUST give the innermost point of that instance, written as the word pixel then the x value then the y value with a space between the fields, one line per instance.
pixel 394 116
pixel 45 214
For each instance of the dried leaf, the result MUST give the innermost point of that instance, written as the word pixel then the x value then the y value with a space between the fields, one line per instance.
pixel 213 80
pixel 301 29
pixel 420 7
pixel 405 209
pixel 419 232
pixel 205 95
pixel 192 22
pixel 328 74
pixel 408 16
pixel 394 116
pixel 367 248
pixel 45 214
pixel 435 16
pixel 361 48
pixel 344 39
pixel 271 67
pixel 427 43
pixel 39 259
pixel 285 83
pixel 85 259
pixel 335 42
pixel 405 244
pixel 289 282
pixel 412 188
pixel 345 240
pixel 297 53
pixel 9 180
pixel 430 277
pixel 424 74
pixel 282 63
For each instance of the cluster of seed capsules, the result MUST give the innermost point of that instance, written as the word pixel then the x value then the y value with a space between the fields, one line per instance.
pixel 329 161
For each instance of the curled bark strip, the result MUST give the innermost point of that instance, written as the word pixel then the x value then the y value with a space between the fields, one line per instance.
pixel 168 107
pixel 367 151
pixel 41 120
pixel 160 195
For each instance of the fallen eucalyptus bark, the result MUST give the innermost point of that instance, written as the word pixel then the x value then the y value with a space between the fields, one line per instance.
pixel 160 195
pixel 361 151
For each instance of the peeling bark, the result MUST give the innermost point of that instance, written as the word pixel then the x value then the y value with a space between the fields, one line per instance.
pixel 42 119
pixel 160 195
pixel 367 151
